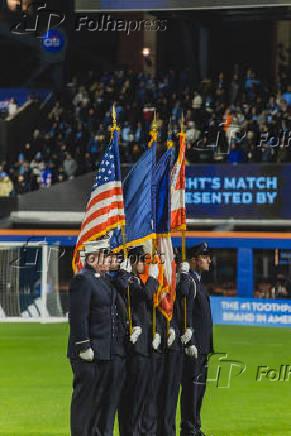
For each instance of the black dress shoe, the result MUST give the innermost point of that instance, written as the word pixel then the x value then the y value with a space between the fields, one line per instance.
pixel 200 433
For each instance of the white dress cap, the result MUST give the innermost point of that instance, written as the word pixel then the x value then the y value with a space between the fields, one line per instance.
pixel 99 244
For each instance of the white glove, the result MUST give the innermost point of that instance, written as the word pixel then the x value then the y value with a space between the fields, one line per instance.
pixel 87 355
pixel 136 332
pixel 191 351
pixel 156 342
pixel 154 270
pixel 171 337
pixel 185 267
pixel 125 265
pixel 185 338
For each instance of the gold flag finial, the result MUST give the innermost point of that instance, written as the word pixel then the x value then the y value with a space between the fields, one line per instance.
pixel 155 124
pixel 114 116
pixel 182 127
pixel 154 131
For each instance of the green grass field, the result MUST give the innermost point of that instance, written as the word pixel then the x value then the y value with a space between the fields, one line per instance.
pixel 35 382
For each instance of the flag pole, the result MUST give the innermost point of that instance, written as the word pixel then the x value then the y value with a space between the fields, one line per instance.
pixel 182 129
pixel 125 250
pixel 169 147
pixel 184 230
pixel 154 133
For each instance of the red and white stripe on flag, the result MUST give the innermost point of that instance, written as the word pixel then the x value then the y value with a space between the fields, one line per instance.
pixel 168 291
pixel 178 180
pixel 104 211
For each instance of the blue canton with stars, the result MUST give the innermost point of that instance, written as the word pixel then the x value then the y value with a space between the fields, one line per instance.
pixel 109 169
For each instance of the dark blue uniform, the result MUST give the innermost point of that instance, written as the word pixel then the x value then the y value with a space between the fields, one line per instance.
pixel 155 391
pixel 97 320
pixel 172 374
pixel 195 370
pixel 172 367
pixel 139 361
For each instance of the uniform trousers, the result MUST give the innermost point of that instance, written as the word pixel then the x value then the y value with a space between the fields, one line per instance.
pixel 170 392
pixel 149 419
pixel 193 389
pixel 134 394
pixel 97 387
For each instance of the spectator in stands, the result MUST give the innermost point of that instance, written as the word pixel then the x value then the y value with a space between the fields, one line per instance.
pixel 251 85
pixel 12 108
pixel 197 101
pixel 53 164
pixel 73 86
pixel 220 82
pixel 268 151
pixel 232 127
pixel 6 186
pixel 125 132
pixel 56 111
pixel 85 163
pixel 236 154
pixel 26 170
pixel 176 112
pixel 61 175
pixel 45 177
pixel 28 152
pixel 281 286
pixel 212 134
pixel 37 164
pixel 37 141
pixel 234 89
pixel 70 166
pixel 81 97
pixel 192 133
pixel 19 164
pixel 21 186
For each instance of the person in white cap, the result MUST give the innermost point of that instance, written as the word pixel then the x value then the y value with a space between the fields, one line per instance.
pixel 98 371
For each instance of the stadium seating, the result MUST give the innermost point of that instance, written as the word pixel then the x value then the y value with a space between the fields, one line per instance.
pixel 225 121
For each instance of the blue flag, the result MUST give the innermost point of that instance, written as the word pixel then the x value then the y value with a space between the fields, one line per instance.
pixel 163 193
pixel 147 199
pixel 138 188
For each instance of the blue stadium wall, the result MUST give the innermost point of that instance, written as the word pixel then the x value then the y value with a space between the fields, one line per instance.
pixel 242 310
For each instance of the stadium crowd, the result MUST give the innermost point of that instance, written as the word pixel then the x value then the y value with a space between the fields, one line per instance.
pixel 240 120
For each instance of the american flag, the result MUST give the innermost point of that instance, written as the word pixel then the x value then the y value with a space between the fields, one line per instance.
pixel 178 205
pixel 105 208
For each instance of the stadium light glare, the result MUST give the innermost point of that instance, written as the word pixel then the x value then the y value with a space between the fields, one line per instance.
pixel 13 4
pixel 146 52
